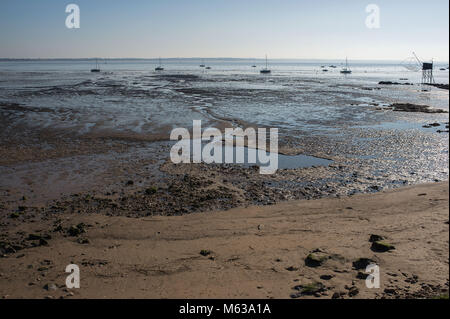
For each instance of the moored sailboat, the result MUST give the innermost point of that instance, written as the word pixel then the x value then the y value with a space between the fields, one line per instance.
pixel 266 69
pixel 346 69
pixel 159 68
pixel 97 67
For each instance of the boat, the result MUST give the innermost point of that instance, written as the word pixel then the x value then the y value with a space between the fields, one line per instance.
pixel 208 68
pixel 97 67
pixel 159 68
pixel 266 69
pixel 333 66
pixel 203 64
pixel 346 69
pixel 324 70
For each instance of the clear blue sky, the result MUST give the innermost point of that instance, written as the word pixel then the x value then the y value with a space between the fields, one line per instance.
pixel 318 29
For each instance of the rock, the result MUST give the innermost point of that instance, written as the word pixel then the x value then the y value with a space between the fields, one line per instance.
pixel 374 237
pixel 50 286
pixel 310 289
pixel 291 268
pixel 362 275
pixel 380 246
pixel 338 295
pixel 83 241
pixel 34 237
pixel 205 252
pixel 316 259
pixel 326 277
pixel 353 291
pixel 14 215
pixel 362 263
pixel 43 242
pixel 151 190
pixel 76 230
pixel 390 291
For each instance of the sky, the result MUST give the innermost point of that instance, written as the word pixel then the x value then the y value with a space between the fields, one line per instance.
pixel 282 29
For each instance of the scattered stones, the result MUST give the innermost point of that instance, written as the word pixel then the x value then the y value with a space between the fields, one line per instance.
pixel 314 288
pixel 393 83
pixel 412 280
pixel 390 291
pixel 338 295
pixel 380 246
pixel 408 107
pixel 38 237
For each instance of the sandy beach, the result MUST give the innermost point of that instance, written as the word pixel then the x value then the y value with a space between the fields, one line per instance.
pixel 253 252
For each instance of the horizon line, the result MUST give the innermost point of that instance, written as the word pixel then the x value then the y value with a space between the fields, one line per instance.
pixel 208 58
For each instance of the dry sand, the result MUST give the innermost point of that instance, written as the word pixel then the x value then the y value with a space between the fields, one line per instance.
pixel 254 252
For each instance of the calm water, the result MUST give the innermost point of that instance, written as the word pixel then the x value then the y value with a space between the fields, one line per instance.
pixel 130 96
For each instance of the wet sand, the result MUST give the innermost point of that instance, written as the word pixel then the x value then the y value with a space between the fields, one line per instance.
pixel 254 252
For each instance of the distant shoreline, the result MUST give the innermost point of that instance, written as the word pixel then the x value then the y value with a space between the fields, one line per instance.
pixel 354 61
